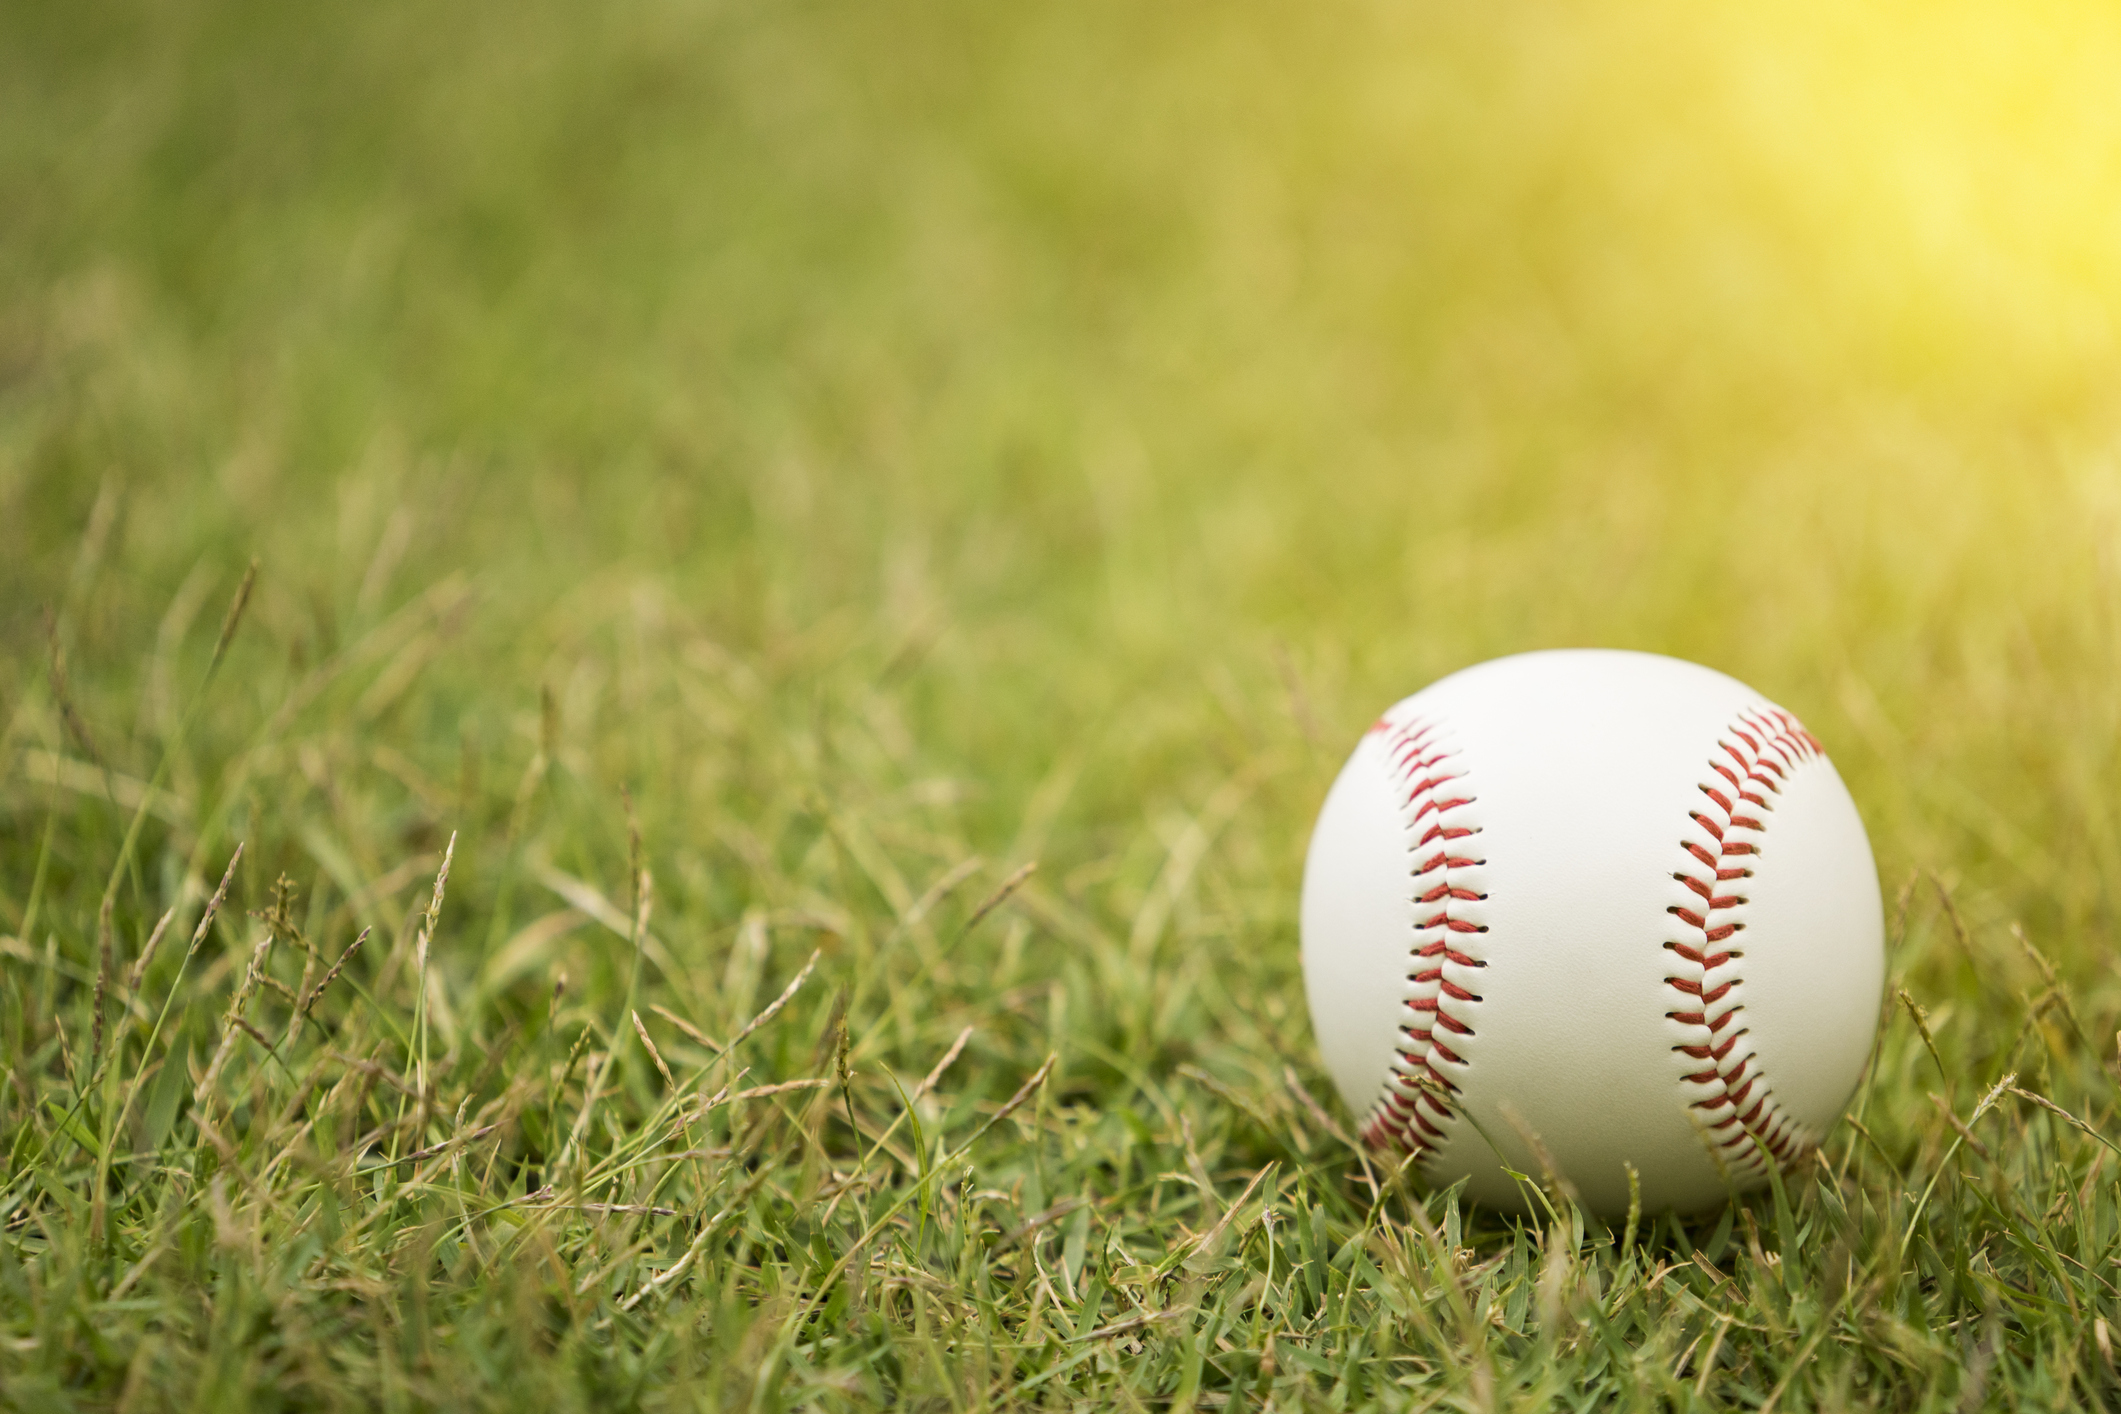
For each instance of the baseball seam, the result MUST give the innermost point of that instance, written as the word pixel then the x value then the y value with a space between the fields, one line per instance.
pixel 1733 1103
pixel 1415 1111
pixel 1732 1099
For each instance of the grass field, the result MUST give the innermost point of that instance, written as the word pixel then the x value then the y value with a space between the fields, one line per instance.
pixel 733 487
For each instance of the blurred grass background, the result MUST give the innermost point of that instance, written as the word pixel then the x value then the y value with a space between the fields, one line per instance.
pixel 1107 349
pixel 1033 432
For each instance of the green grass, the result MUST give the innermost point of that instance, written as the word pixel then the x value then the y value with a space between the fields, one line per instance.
pixel 740 483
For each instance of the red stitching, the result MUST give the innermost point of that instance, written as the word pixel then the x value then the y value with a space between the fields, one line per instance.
pixel 1773 744
pixel 1442 832
pixel 1701 959
pixel 1740 1112
pixel 1410 1116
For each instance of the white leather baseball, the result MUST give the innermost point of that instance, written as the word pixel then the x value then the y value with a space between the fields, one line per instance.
pixel 1615 904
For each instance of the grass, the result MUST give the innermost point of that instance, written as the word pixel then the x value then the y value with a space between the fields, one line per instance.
pixel 732 488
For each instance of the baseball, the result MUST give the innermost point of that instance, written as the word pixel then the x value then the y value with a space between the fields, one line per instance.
pixel 1591 910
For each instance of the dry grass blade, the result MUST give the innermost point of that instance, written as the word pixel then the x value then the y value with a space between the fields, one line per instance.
pixel 264 1041
pixel 1967 1135
pixel 653 1054
pixel 1015 1102
pixel 957 1048
pixel 1208 1240
pixel 436 1150
pixel 233 619
pixel 310 1002
pixel 1040 1220
pixel 1317 1111
pixel 1000 896
pixel 687 1027
pixel 138 971
pixel 374 1070
pixel 941 889
pixel 760 1092
pixel 773 1008
pixel 2054 1109
pixel 1708 1361
pixel 1135 1323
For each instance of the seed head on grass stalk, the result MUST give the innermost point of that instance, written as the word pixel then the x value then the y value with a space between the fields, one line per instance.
pixel 669 1082
pixel 420 950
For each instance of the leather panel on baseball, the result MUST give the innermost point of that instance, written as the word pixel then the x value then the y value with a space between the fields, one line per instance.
pixel 1592 909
